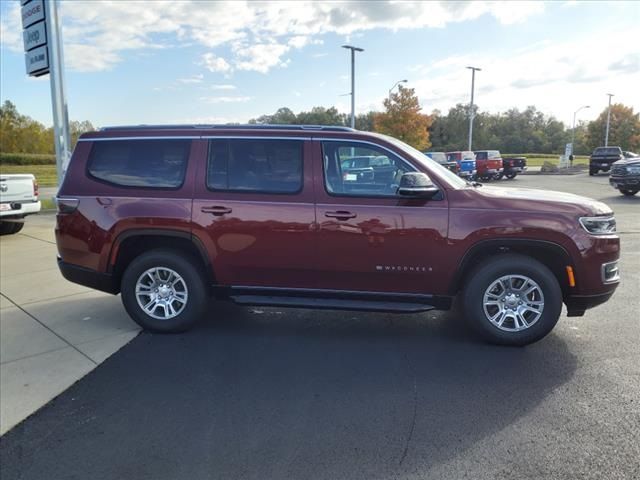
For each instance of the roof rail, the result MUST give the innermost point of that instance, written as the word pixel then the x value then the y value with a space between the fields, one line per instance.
pixel 324 128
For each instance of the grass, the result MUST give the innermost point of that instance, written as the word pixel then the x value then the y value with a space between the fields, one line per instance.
pixel 538 161
pixel 47 204
pixel 45 174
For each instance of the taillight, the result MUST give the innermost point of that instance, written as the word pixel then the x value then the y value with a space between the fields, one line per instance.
pixel 67 205
pixel 35 187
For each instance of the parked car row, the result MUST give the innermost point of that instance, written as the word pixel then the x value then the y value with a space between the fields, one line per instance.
pixel 480 165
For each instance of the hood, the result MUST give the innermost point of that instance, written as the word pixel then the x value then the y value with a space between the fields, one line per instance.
pixel 509 198
pixel 625 162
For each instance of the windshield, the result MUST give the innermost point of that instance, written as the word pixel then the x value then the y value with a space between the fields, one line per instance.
pixel 607 151
pixel 449 177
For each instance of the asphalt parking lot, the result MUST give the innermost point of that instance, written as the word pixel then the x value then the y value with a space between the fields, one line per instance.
pixel 258 393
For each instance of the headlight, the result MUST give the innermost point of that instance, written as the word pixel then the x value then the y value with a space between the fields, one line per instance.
pixel 598 225
pixel 635 170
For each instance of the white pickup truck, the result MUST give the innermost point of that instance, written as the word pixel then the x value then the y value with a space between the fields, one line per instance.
pixel 18 198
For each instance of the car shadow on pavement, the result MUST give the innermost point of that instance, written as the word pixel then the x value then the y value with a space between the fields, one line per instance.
pixel 272 393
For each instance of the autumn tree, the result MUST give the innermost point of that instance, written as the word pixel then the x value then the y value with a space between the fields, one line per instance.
pixel 624 128
pixel 403 120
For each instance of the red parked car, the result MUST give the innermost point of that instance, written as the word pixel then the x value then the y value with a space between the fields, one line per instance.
pixel 267 215
pixel 488 164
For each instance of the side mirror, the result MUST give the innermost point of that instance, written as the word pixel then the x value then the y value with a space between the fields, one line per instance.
pixel 416 185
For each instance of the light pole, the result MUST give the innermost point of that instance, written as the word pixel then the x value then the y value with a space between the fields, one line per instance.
pixel 471 113
pixel 573 128
pixel 395 85
pixel 353 81
pixel 606 135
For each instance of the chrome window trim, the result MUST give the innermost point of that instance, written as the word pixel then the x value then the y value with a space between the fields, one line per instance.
pixel 349 140
pixel 193 137
pixel 247 137
pixel 103 139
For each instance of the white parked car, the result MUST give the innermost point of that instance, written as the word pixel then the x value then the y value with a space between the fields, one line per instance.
pixel 18 198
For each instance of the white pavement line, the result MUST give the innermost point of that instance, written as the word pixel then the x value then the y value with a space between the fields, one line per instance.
pixel 36 238
pixel 56 334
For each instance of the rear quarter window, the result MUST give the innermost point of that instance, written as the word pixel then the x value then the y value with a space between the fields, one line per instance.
pixel 139 163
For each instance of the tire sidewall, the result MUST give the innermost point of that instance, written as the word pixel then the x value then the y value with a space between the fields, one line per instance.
pixel 510 264
pixel 192 277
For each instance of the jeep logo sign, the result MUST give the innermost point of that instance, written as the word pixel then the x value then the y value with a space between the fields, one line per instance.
pixel 34 36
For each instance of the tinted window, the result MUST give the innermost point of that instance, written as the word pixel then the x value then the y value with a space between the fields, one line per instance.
pixel 273 166
pixel 346 172
pixel 607 151
pixel 481 155
pixel 140 163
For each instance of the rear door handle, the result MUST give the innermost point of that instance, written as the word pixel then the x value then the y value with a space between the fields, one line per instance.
pixel 216 210
pixel 340 215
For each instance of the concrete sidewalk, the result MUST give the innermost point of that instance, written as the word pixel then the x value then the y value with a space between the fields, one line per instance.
pixel 52 332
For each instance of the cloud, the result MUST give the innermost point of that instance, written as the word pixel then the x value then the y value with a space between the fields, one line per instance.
pixel 98 33
pixel 194 79
pixel 215 64
pixel 225 99
pixel 223 87
pixel 627 64
pixel 555 76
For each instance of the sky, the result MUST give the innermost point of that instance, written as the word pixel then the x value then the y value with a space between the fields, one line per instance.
pixel 130 62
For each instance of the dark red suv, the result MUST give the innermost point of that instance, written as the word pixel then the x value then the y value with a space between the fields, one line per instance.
pixel 274 215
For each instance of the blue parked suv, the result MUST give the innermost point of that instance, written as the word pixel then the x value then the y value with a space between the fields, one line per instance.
pixel 466 161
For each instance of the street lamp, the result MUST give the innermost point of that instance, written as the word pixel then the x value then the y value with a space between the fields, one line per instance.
pixel 353 82
pixel 471 114
pixel 606 135
pixel 573 128
pixel 395 85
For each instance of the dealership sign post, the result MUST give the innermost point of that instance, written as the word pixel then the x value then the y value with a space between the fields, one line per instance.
pixel 43 55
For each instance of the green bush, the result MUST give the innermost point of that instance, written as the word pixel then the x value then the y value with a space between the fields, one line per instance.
pixel 27 159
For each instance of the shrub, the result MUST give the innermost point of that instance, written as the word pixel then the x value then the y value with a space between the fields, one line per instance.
pixel 27 159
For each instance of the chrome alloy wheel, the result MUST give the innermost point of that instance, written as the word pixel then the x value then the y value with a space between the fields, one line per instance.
pixel 513 303
pixel 161 293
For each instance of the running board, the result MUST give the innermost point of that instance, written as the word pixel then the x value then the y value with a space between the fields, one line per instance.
pixel 331 303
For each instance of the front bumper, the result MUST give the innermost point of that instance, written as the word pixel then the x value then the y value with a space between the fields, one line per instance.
pixel 19 209
pixel 625 182
pixel 578 304
pixel 104 282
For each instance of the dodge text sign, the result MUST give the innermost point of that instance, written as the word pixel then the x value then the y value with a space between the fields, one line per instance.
pixel 32 12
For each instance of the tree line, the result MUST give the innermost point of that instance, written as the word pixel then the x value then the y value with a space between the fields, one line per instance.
pixel 22 134
pixel 513 131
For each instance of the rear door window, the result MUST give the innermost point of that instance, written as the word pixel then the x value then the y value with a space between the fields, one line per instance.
pixel 255 165
pixel 140 163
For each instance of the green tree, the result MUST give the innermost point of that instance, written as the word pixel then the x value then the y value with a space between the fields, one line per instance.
pixel 403 120
pixel 624 128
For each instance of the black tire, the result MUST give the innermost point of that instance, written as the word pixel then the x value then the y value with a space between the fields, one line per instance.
pixel 8 228
pixel 628 193
pixel 511 175
pixel 511 264
pixel 193 277
pixel 593 171
pixel 499 176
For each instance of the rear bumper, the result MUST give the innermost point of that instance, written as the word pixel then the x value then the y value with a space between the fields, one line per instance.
pixel 578 304
pixel 104 282
pixel 19 209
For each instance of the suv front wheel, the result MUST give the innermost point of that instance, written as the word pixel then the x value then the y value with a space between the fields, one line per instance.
pixel 163 291
pixel 512 300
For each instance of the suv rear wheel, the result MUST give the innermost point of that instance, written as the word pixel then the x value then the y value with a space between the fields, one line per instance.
pixel 512 300
pixel 163 291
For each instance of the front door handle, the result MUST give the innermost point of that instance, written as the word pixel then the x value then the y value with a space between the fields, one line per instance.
pixel 340 215
pixel 216 210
